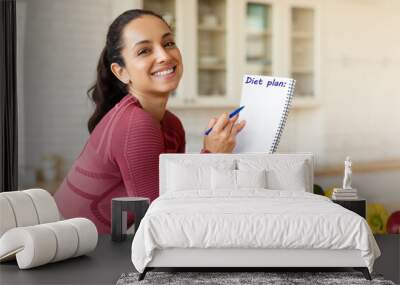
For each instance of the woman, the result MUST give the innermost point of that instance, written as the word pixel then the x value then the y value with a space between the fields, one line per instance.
pixel 138 69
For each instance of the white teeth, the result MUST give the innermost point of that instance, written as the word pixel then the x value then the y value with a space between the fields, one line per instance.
pixel 165 72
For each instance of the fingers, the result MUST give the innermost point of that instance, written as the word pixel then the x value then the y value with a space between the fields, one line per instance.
pixel 241 126
pixel 237 128
pixel 223 141
pixel 221 123
pixel 212 122
pixel 231 123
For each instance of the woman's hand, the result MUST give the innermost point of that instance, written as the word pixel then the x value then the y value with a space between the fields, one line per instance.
pixel 222 138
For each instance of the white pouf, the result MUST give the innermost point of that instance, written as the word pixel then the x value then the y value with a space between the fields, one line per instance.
pixel 31 230
pixel 40 244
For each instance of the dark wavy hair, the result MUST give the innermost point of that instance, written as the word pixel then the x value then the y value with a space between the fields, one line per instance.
pixel 108 90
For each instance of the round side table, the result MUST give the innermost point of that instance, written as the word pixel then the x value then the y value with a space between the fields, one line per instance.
pixel 119 208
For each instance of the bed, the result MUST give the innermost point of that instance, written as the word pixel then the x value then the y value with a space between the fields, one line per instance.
pixel 247 210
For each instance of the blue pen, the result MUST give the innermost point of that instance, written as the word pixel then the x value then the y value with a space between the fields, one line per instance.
pixel 234 113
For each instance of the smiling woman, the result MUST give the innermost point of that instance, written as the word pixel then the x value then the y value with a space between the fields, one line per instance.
pixel 138 69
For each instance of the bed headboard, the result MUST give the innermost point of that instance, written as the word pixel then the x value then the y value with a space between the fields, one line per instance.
pixel 209 158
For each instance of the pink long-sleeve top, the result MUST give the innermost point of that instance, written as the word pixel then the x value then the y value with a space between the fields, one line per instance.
pixel 119 159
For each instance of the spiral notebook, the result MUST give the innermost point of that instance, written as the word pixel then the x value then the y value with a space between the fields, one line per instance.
pixel 267 102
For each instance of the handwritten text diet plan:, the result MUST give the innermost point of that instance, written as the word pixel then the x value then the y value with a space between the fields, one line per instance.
pixel 259 81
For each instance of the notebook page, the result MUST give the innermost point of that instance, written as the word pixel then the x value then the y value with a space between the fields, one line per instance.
pixel 266 101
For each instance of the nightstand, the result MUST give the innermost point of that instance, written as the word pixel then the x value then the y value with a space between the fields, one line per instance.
pixel 388 263
pixel 357 206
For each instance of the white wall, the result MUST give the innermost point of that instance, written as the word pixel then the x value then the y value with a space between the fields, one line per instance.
pixel 62 45
pixel 361 65
pixel 360 99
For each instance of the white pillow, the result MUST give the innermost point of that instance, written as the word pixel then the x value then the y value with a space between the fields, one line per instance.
pixel 187 177
pixel 237 179
pixel 223 179
pixel 281 174
pixel 183 175
pixel 251 178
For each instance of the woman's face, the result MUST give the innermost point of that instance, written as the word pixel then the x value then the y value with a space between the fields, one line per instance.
pixel 153 62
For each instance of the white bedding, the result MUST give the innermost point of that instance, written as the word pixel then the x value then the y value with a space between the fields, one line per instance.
pixel 251 218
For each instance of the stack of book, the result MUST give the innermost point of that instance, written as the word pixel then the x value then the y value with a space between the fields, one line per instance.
pixel 344 194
